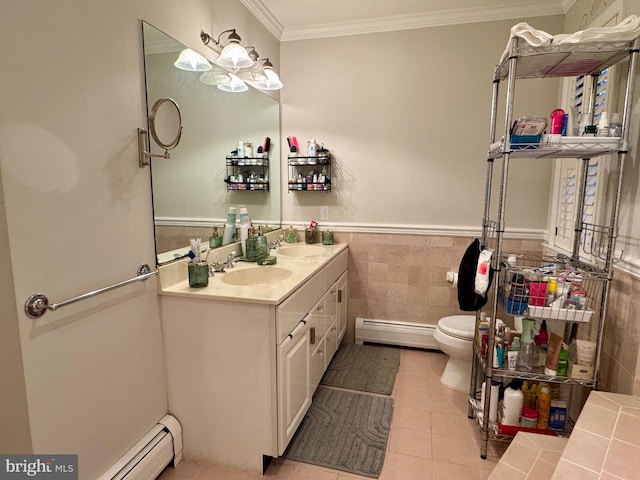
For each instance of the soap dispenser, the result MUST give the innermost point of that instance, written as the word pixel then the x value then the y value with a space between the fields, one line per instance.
pixel 215 240
pixel 291 236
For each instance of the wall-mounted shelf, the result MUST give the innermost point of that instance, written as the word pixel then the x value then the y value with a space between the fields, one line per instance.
pixel 310 173
pixel 247 173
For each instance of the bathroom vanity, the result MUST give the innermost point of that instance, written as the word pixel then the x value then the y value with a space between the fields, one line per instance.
pixel 246 353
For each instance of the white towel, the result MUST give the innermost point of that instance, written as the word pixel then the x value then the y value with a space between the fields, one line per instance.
pixel 625 31
pixel 526 33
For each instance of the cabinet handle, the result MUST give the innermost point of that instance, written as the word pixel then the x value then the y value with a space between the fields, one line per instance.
pixel 340 296
pixel 312 335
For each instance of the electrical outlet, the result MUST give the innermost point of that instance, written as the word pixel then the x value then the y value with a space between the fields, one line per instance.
pixel 324 212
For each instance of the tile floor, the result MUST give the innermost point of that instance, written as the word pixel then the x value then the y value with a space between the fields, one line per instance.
pixel 431 437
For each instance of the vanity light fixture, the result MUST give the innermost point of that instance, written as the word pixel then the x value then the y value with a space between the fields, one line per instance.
pixel 272 81
pixel 233 55
pixel 215 76
pixel 234 86
pixel 192 61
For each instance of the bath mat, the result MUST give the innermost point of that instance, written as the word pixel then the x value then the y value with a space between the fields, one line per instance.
pixel 343 430
pixel 368 368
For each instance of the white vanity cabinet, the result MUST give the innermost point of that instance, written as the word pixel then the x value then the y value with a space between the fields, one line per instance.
pixel 242 372
pixel 294 394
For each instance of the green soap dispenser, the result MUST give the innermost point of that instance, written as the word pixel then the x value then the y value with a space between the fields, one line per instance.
pixel 215 240
pixel 291 236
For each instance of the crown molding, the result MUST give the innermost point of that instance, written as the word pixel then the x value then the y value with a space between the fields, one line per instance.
pixel 264 16
pixel 407 22
pixel 403 22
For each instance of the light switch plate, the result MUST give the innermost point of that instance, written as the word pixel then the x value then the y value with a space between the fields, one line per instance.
pixel 324 212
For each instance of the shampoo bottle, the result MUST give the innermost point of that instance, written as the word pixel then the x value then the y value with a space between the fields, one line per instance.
pixel 229 234
pixel 244 228
pixel 513 402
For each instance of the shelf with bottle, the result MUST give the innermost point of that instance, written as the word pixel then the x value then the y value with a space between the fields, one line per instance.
pixel 322 158
pixel 550 288
pixel 536 374
pixel 236 161
pixel 247 181
pixel 310 177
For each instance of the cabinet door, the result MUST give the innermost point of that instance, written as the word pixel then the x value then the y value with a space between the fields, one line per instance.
pixel 341 314
pixel 331 342
pixel 317 363
pixel 294 394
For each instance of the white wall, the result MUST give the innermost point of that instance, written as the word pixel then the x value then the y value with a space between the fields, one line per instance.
pixel 406 115
pixel 78 218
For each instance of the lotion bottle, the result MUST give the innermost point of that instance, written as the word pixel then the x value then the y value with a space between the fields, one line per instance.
pixel 244 228
pixel 229 234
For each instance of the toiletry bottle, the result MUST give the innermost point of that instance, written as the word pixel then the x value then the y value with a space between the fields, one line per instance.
pixel 557 118
pixel 290 235
pixel 493 401
pixel 244 227
pixel 241 149
pixel 215 240
pixel 251 252
pixel 543 405
pixel 512 354
pixel 229 234
pixel 615 125
pixel 603 125
pixel 263 245
pixel 513 402
pixel 312 147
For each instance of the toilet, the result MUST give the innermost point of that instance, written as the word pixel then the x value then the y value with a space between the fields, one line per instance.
pixel 454 336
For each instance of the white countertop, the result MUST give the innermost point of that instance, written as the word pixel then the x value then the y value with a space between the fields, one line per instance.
pixel 173 278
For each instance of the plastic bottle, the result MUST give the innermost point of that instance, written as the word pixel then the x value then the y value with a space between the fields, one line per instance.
pixel 543 405
pixel 513 402
pixel 229 234
pixel 290 235
pixel 603 125
pixel 244 228
pixel 615 125
pixel 493 401
pixel 529 417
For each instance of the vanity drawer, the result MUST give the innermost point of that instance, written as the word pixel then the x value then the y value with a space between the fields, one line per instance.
pixel 336 267
pixel 293 309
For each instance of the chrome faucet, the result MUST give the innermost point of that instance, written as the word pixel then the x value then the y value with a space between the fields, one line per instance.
pixel 228 263
pixel 275 245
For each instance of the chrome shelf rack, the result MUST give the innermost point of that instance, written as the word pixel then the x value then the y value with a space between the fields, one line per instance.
pixel 523 62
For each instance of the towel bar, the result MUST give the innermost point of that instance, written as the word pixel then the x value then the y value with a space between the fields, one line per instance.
pixel 38 303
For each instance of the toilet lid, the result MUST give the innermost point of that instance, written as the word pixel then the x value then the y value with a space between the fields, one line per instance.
pixel 459 326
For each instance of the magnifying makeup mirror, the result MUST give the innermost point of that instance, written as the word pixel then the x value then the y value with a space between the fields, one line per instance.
pixel 165 125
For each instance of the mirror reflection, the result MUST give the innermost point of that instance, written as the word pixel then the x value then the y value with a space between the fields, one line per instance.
pixel 191 192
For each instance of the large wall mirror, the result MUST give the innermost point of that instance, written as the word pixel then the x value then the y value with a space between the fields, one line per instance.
pixel 190 195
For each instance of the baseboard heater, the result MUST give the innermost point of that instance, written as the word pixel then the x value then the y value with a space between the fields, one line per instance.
pixel 391 332
pixel 149 457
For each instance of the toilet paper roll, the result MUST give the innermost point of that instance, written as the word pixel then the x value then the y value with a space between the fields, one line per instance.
pixel 454 284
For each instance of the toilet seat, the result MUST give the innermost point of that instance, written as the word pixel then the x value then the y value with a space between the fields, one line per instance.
pixel 457 326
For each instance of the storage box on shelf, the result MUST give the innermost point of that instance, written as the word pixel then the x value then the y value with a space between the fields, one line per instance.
pixel 548 288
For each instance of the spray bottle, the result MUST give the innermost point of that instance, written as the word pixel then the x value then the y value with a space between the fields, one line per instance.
pixel 525 355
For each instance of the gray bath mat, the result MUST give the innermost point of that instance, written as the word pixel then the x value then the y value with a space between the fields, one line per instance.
pixel 345 431
pixel 368 368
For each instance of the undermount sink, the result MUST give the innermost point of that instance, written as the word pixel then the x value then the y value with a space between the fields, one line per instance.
pixel 301 251
pixel 255 276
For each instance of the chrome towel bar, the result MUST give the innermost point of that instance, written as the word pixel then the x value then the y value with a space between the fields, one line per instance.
pixel 38 303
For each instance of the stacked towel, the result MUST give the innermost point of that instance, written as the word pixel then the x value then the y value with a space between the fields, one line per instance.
pixel 627 30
